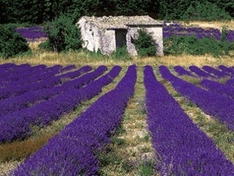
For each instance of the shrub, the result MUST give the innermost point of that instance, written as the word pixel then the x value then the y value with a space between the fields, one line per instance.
pixel 11 43
pixel 145 44
pixel 63 34
pixel 121 53
pixel 46 46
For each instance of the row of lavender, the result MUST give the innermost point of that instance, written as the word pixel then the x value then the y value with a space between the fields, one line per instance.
pixel 14 75
pixel 181 147
pixel 213 103
pixel 37 81
pixel 69 95
pixel 73 151
pixel 210 77
pixel 176 29
pixel 206 71
pixel 31 97
pixel 11 70
pixel 32 33
pixel 16 125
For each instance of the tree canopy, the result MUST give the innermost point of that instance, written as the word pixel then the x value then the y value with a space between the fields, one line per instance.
pixel 40 11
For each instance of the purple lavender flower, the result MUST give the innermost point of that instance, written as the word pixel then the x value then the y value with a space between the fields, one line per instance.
pixel 32 33
pixel 72 151
pixel 180 146
pixel 175 29
pixel 212 103
pixel 182 71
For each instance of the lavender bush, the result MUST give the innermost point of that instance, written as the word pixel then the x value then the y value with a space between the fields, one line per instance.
pixel 230 82
pixel 25 100
pixel 17 124
pixel 181 71
pixel 49 82
pixel 25 76
pixel 223 89
pixel 215 72
pixel 73 150
pixel 11 69
pixel 199 72
pixel 32 33
pixel 214 104
pixel 176 29
pixel 181 147
pixel 26 71
pixel 7 65
pixel 226 69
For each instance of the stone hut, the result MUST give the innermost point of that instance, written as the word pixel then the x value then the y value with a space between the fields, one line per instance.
pixel 108 33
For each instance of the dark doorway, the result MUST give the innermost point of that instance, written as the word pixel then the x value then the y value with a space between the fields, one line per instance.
pixel 120 37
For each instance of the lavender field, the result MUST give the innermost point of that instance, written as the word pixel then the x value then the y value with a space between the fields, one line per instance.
pixel 116 120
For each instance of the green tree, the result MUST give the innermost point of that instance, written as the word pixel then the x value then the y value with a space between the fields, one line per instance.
pixel 63 34
pixel 173 9
pixel 11 43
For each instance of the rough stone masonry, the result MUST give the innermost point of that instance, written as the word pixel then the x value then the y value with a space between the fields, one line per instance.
pixel 108 33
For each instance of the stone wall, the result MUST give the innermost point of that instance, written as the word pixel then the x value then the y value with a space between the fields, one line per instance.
pixel 156 33
pixel 96 37
pixel 90 35
pixel 132 34
pixel 107 41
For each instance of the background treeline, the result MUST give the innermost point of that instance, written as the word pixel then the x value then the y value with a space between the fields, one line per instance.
pixel 40 11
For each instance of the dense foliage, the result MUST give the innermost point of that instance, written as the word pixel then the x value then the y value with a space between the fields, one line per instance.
pixel 194 46
pixel 47 10
pixel 199 10
pixel 63 34
pixel 204 11
pixel 11 43
pixel 39 11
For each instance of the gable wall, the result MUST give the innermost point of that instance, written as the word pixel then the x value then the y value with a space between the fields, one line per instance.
pixel 89 35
